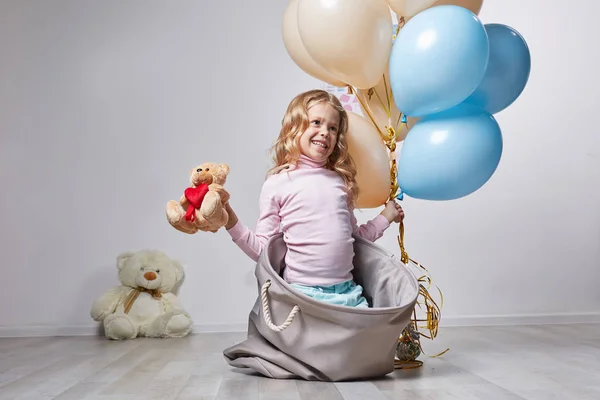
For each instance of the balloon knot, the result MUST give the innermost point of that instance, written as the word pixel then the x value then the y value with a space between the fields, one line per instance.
pixel 404 120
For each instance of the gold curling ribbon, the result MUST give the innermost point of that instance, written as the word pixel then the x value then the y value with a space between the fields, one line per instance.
pixel 432 310
pixel 401 22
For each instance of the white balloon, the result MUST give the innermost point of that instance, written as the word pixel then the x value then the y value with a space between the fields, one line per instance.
pixel 409 8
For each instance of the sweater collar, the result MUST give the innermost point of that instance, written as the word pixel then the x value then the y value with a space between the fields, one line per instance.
pixel 306 162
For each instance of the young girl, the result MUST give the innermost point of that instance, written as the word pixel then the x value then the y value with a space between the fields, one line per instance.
pixel 310 195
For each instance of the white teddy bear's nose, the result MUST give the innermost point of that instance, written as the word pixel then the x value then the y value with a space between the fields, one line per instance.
pixel 150 275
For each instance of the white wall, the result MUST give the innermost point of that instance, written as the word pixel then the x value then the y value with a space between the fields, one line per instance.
pixel 104 107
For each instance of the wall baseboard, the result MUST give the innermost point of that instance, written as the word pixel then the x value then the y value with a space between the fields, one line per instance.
pixel 93 330
pixel 449 321
pixel 520 319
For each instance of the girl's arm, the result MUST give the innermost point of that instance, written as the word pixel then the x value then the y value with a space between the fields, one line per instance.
pixel 253 243
pixel 372 230
pixel 375 228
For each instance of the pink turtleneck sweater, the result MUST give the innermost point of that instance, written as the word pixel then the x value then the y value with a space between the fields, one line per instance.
pixel 309 205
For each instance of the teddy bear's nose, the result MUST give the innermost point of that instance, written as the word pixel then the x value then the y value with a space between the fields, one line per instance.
pixel 150 275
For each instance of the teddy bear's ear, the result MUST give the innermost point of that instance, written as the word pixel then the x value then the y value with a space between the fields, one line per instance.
pixel 122 258
pixel 224 169
pixel 221 173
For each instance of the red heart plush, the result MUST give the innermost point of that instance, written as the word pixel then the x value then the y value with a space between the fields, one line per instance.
pixel 195 196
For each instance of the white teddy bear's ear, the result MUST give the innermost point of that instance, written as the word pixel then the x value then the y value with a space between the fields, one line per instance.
pixel 122 258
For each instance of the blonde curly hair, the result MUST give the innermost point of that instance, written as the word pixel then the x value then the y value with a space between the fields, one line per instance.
pixel 286 149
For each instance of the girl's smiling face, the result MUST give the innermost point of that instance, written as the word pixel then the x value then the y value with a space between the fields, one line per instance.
pixel 319 139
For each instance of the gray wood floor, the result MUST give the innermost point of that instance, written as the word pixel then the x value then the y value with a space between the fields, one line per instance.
pixel 543 362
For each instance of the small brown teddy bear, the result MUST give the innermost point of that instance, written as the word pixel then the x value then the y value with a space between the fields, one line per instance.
pixel 202 206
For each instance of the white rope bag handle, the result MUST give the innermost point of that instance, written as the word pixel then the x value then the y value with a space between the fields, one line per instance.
pixel 267 312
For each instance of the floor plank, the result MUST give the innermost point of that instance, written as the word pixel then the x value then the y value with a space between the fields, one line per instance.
pixel 167 384
pixel 201 386
pixel 238 388
pixel 273 389
pixel 318 391
pixel 501 362
pixel 359 390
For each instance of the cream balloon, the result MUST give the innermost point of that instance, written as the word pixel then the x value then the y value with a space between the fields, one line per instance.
pixel 351 39
pixel 408 8
pixel 473 5
pixel 379 103
pixel 295 48
pixel 372 162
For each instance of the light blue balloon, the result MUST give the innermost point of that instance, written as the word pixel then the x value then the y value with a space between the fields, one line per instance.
pixel 507 72
pixel 438 59
pixel 449 155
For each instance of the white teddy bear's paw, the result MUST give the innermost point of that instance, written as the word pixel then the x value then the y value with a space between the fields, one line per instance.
pixel 178 326
pixel 119 327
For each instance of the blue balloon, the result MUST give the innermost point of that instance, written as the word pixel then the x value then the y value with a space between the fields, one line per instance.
pixel 508 70
pixel 449 155
pixel 438 59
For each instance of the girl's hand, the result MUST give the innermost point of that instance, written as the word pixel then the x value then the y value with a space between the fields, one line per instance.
pixel 393 212
pixel 233 219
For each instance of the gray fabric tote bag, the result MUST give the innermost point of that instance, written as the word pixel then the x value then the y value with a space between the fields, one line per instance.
pixel 319 341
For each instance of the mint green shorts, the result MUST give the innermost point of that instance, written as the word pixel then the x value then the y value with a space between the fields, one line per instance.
pixel 347 294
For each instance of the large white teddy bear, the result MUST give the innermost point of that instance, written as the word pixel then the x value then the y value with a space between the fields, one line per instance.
pixel 144 304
